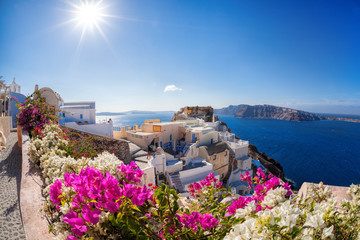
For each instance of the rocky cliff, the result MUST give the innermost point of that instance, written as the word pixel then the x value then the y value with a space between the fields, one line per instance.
pixel 269 163
pixel 230 110
pixel 270 112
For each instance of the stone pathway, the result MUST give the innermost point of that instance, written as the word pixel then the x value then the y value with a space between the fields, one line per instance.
pixel 11 226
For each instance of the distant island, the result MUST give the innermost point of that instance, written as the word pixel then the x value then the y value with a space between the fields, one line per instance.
pixel 275 112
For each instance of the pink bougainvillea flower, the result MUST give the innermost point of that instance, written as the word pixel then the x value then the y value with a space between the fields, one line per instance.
pixel 172 229
pixel 110 206
pixel 258 208
pixel 272 183
pixel 139 199
pixel 208 221
pixel 191 221
pixel 259 189
pixel 55 192
pixel 78 225
pixel 246 178
pixel 160 235
pixel 287 187
pixel 197 186
pixel 209 179
pixel 131 172
pixel 89 215
pixel 76 222
pixel 219 185
pixel 128 189
pixel 260 173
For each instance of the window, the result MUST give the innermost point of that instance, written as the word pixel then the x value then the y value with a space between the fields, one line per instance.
pixel 63 114
pixel 81 116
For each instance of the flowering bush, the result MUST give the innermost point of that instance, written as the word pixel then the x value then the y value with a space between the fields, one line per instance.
pixel 47 151
pixel 78 148
pixel 35 112
pixel 95 205
pixel 101 198
pixel 46 141
pixel 270 215
pixel 84 197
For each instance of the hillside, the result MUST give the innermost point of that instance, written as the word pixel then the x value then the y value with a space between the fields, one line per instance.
pixel 270 112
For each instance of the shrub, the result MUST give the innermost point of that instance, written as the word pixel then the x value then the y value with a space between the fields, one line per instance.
pixel 35 113
pixel 101 198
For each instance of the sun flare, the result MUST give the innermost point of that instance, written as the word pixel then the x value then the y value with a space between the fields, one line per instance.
pixel 89 14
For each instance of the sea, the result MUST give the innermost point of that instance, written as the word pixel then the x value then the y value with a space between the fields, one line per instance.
pixel 327 151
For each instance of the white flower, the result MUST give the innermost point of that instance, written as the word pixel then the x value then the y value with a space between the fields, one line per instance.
pixel 274 197
pixel 327 232
pixel 314 221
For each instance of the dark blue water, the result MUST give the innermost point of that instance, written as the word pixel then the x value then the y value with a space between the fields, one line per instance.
pixel 327 151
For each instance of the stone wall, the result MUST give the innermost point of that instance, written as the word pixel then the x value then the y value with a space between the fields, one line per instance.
pixel 117 146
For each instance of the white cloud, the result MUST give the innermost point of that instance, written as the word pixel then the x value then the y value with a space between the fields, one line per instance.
pixel 171 88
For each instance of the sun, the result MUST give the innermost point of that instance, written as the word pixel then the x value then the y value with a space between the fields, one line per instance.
pixel 89 14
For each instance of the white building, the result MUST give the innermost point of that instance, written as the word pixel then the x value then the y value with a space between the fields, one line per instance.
pixel 205 148
pixel 14 87
pixel 79 112
pixel 204 134
pixel 241 165
pixel 179 173
pixel 168 134
pixel 82 116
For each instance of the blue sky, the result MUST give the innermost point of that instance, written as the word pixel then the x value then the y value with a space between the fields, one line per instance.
pixel 300 54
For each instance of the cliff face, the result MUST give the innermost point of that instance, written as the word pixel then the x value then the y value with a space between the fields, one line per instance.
pixel 270 112
pixel 273 112
pixel 269 163
pixel 205 113
pixel 230 110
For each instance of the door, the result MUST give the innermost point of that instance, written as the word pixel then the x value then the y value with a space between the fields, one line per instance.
pixel 193 138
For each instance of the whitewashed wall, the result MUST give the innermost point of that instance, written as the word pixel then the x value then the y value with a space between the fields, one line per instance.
pixel 102 129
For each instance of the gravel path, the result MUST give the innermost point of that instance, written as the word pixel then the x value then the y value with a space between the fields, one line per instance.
pixel 11 226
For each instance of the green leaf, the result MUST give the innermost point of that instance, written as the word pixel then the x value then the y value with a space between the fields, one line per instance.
pixel 295 232
pixel 133 225
pixel 135 208
pixel 312 206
